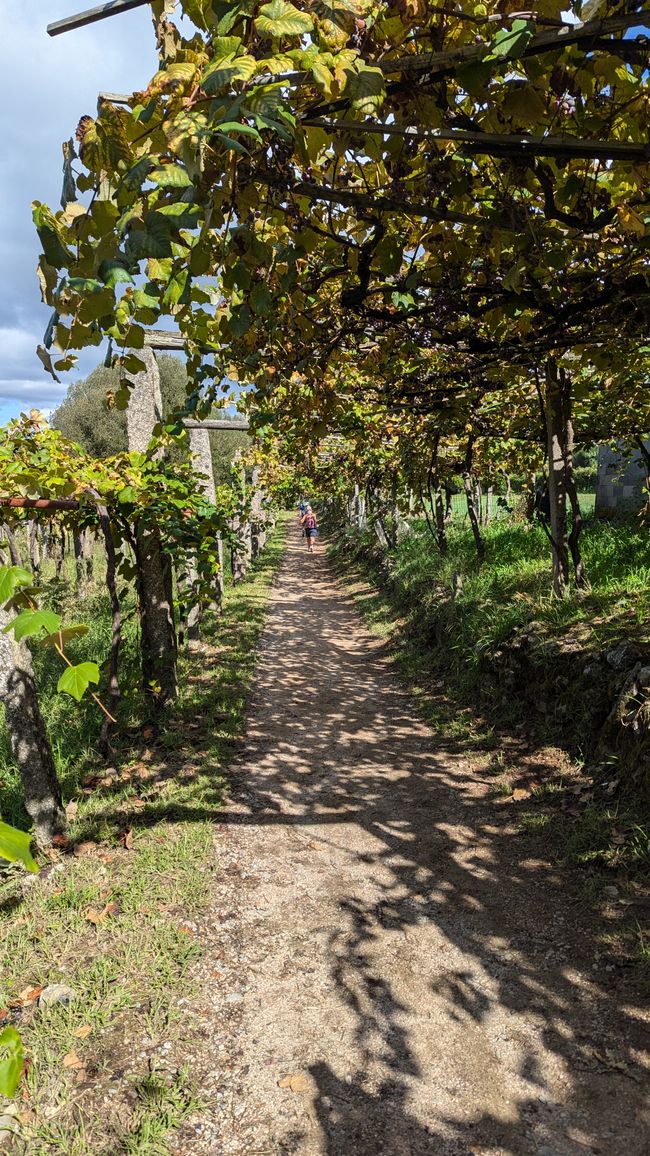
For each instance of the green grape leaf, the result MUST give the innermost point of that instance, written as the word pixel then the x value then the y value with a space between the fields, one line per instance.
pixel 63 636
pixel 11 1061
pixel 11 578
pixel 32 622
pixel 171 176
pixel 76 679
pixel 15 847
pixel 113 273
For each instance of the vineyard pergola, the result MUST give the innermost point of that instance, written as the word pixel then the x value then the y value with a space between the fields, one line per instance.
pixel 432 212
pixel 418 226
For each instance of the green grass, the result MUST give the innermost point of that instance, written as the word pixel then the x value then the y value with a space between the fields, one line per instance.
pixel 129 966
pixel 414 585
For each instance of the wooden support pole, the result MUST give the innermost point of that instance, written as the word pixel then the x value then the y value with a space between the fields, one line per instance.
pixel 40 503
pixel 214 424
pixel 92 15
pixel 163 339
pixel 493 144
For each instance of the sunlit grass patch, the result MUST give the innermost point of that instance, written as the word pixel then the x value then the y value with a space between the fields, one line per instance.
pixel 117 918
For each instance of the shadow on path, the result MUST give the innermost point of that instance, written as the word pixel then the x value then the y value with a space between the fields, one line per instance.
pixel 436 982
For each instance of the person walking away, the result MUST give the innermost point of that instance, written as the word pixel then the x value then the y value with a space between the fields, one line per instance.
pixel 309 524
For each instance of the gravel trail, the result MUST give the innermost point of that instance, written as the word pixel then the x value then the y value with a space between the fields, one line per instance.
pixel 396 974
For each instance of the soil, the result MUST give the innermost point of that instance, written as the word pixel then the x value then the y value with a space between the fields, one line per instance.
pixel 392 970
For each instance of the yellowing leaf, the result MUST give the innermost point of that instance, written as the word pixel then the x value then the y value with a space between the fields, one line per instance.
pixel 630 221
pixel 280 18
pixel 297 1083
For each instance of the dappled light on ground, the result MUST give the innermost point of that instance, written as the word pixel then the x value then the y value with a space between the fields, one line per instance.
pixel 435 984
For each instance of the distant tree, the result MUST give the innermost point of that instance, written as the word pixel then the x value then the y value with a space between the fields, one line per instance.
pixel 84 416
pixel 224 446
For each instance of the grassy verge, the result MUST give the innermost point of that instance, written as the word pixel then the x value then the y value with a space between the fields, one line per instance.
pixel 444 645
pixel 113 916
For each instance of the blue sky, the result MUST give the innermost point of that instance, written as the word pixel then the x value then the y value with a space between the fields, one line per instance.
pixel 46 85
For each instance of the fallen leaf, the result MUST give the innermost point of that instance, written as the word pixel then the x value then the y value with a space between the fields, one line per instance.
pixel 520 793
pixel 25 918
pixel 61 841
pixel 125 838
pixel 148 732
pixel 72 1060
pixel 106 858
pixel 136 802
pixel 81 849
pixel 96 917
pixel 313 846
pixel 71 811
pixel 297 1083
pixel 29 994
pixel 80 1076
pixel 83 1031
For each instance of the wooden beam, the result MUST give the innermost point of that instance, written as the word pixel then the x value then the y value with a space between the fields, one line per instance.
pixel 494 144
pixel 91 15
pixel 163 339
pixel 211 423
pixel 40 503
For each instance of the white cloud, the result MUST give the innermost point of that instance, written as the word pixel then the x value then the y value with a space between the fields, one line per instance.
pixel 46 85
pixel 30 392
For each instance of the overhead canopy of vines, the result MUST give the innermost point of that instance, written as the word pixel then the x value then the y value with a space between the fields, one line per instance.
pixel 372 208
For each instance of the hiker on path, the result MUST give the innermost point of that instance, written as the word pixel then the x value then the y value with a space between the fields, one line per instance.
pixel 309 523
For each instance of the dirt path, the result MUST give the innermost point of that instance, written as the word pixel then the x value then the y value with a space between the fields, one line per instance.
pixel 385 938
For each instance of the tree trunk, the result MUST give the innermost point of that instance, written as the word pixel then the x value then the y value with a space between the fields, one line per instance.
pixel 34 549
pixel 393 517
pixel 79 563
pixel 441 521
pixel 159 648
pixel 59 557
pixel 201 454
pixel 116 619
pixel 469 497
pixel 158 632
pixel 241 551
pixel 531 496
pixel 258 530
pixel 489 495
pixel 645 455
pixel 29 741
pixel 557 416
pixel 576 513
